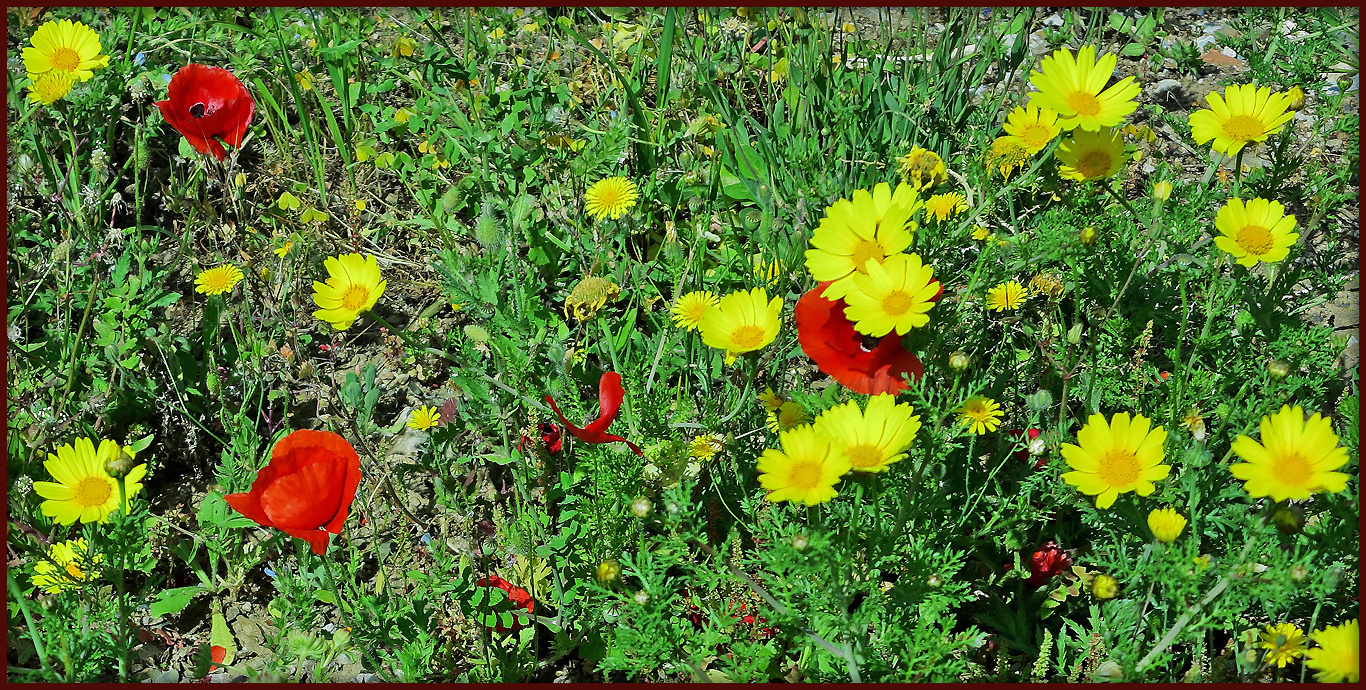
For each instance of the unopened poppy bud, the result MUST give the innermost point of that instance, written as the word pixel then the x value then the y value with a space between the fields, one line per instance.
pixel 1299 572
pixel 672 507
pixel 1296 95
pixel 934 581
pixel 642 597
pixel 800 542
pixel 609 572
pixel 1110 670
pixel 1088 235
pixel 958 361
pixel 642 507
pixel 1105 587
pixel 1162 191
pixel 1277 369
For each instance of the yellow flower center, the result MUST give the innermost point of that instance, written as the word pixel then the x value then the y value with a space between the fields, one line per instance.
pixel 1118 467
pixel 865 250
pixel 1036 136
pixel 92 491
pixel 1243 128
pixel 896 303
pixel 1291 469
pixel 1255 239
pixel 355 297
pixel 805 475
pixel 864 455
pixel 1094 164
pixel 74 573
pixel 65 59
pixel 746 337
pixel 1084 103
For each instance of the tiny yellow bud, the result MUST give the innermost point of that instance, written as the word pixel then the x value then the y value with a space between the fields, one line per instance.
pixel 1088 235
pixel 1277 369
pixel 1162 191
pixel 1296 95
pixel 609 572
pixel 1105 587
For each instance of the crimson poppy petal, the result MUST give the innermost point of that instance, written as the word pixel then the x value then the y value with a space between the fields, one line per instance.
pixel 316 538
pixel 249 505
pixel 610 396
pixel 307 487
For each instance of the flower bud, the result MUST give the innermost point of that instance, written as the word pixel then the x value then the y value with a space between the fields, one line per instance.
pixel 1110 671
pixel 642 507
pixel 120 463
pixel 800 542
pixel 609 572
pixel 642 597
pixel 1277 369
pixel 935 581
pixel 1162 191
pixel 1296 95
pixel 1104 587
pixel 1299 573
pixel 1088 235
pixel 959 360
pixel 672 508
pixel 1288 519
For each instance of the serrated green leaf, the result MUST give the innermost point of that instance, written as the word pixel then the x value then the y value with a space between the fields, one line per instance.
pixel 174 601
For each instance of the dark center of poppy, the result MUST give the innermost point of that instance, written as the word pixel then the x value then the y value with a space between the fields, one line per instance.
pixel 197 110
pixel 868 342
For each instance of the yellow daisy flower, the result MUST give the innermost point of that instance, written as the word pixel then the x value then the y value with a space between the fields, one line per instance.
pixel 610 197
pixel 742 322
pixel 894 296
pixel 353 286
pixel 1166 524
pixel 1284 642
pixel 1091 155
pixel 1338 656
pixel 871 226
pixel 980 415
pixel 1259 230
pixel 807 468
pixel 690 308
pixel 61 570
pixel 980 233
pixel 873 438
pixel 944 206
pixel 788 415
pixel 1035 126
pixel 1116 457
pixel 1006 154
pixel 1244 114
pixel 1006 296
pixel 66 46
pixel 84 490
pixel 1071 87
pixel 217 280
pixel 922 169
pixel 770 400
pixel 50 87
pixel 284 249
pixel 1294 459
pixel 424 418
pixel 704 447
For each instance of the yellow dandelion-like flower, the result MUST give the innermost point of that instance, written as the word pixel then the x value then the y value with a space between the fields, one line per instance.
pixel 770 400
pixel 61 570
pixel 84 490
pixel 353 286
pixel 1006 154
pixel 690 308
pixel 873 438
pixel 1284 643
pixel 588 296
pixel 1006 296
pixel 610 197
pixel 922 169
pixel 980 233
pixel 1259 230
pixel 1116 457
pixel 704 447
pixel 50 87
pixel 284 249
pixel 1090 155
pixel 65 46
pixel 807 468
pixel 1338 656
pixel 980 415
pixel 941 207
pixel 424 418
pixel 217 280
pixel 1034 126
pixel 895 296
pixel 1047 283
pixel 1166 524
pixel 1104 587
pixel 1294 459
pixel 742 322
pixel 1071 87
pixel 1244 114
pixel 872 226
pixel 789 414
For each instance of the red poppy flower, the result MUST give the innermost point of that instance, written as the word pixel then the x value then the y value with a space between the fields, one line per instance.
pixel 206 103
pixel 519 597
pixel 1048 560
pixel 610 395
pixel 551 437
pixel 307 488
pixel 868 366
pixel 1020 436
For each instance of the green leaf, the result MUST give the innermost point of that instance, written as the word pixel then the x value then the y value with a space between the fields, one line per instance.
pixel 288 201
pixel 220 636
pixel 1132 50
pixel 174 601
pixel 325 596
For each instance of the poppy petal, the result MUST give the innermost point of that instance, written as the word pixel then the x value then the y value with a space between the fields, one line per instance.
pixel 316 538
pixel 249 504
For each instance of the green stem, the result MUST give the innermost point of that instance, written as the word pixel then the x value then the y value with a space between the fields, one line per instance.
pixel 122 635
pixel 16 596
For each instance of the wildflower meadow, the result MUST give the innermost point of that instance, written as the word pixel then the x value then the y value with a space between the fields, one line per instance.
pixel 678 344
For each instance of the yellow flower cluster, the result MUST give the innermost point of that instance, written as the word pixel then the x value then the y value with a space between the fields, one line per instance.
pixel 62 53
